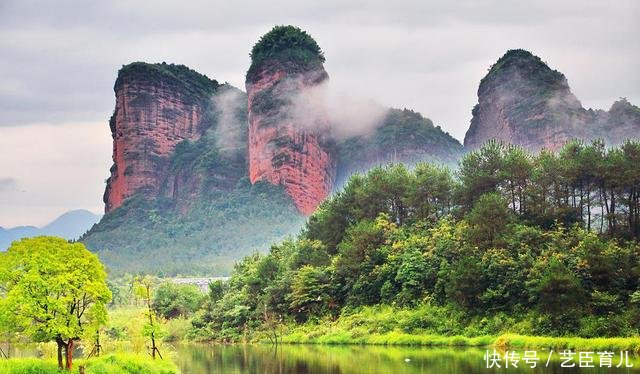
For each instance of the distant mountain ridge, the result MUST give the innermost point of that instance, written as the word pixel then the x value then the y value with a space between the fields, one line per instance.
pixel 70 225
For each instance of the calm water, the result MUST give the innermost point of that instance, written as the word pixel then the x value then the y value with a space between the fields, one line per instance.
pixel 311 359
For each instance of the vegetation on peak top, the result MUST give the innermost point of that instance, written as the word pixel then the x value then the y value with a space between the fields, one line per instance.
pixel 188 78
pixel 530 67
pixel 285 44
pixel 623 105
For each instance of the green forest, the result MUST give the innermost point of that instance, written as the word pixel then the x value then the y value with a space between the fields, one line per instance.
pixel 511 242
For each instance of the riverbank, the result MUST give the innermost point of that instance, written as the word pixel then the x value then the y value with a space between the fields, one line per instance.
pixel 109 364
pixel 505 342
pixel 438 327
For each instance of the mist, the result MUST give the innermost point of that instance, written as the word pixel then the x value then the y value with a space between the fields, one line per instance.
pixel 344 113
pixel 229 106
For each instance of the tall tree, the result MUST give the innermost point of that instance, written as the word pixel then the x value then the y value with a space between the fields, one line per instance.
pixel 55 291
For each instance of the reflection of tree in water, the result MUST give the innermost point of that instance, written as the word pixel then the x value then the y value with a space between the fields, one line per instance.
pixel 317 359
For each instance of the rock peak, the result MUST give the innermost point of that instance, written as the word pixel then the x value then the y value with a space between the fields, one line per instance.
pixel 157 107
pixel 521 71
pixel 285 46
pixel 287 149
pixel 523 101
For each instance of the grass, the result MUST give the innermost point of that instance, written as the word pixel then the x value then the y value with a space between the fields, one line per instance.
pixel 430 326
pixel 576 344
pixel 110 364
pixel 506 341
pixel 28 366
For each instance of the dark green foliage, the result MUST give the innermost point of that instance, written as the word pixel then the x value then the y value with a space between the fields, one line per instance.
pixel 543 80
pixel 403 136
pixel 178 75
pixel 490 246
pixel 487 219
pixel 288 45
pixel 177 300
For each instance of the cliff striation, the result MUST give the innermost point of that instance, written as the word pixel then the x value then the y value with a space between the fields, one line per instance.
pixel 284 148
pixel 157 107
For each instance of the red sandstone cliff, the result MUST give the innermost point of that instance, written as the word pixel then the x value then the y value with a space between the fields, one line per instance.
pixel 157 106
pixel 287 149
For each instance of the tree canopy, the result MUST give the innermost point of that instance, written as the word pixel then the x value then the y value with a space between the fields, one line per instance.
pixel 53 290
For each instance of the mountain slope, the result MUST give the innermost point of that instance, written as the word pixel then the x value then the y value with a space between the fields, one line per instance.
pixel 404 136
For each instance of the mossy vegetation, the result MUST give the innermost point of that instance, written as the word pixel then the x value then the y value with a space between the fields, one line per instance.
pixel 154 237
pixel 290 46
pixel 180 75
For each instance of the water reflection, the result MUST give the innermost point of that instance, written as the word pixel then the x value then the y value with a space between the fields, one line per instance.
pixel 312 359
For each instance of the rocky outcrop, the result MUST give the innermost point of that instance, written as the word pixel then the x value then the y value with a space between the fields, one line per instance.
pixel 285 148
pixel 522 101
pixel 157 107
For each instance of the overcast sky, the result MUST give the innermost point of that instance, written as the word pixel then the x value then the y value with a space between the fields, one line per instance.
pixel 59 59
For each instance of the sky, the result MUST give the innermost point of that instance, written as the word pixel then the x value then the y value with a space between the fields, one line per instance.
pixel 59 60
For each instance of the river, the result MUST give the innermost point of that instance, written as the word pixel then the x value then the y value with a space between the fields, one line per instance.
pixel 314 359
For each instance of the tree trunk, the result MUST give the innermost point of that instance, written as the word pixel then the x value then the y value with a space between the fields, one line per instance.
pixel 60 345
pixel 69 355
pixel 153 346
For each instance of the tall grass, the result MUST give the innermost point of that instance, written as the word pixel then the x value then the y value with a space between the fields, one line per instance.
pixel 110 364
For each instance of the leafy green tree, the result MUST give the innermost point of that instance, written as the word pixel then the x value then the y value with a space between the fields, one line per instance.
pixel 174 300
pixel 431 195
pixel 480 172
pixel 410 277
pixel 309 291
pixel 465 283
pixel 488 219
pixel 54 291
pixel 516 175
pixel 558 293
pixel 216 290
pixel 152 328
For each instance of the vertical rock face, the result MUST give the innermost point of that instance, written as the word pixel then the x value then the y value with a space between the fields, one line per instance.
pixel 524 102
pixel 285 147
pixel 157 106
